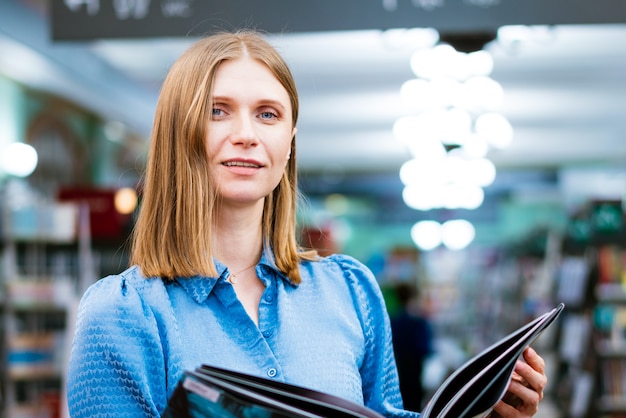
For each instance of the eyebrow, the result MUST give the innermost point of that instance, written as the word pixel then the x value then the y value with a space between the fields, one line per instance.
pixel 263 102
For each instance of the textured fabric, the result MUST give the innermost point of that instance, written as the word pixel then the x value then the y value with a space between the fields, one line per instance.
pixel 135 337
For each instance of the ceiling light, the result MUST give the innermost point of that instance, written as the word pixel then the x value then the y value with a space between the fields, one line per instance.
pixel 422 197
pixel 422 170
pixel 479 63
pixel 405 128
pixel 418 94
pixel 461 196
pixel 455 123
pixel 447 91
pixel 473 146
pixel 19 159
pixel 457 234
pixel 426 235
pixel 495 128
pixel 483 93
pixel 481 172
pixel 442 59
pixel 450 96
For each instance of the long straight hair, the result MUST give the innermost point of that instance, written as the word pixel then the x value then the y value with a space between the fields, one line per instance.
pixel 172 235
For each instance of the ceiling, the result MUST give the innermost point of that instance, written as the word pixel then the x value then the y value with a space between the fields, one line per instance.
pixel 565 89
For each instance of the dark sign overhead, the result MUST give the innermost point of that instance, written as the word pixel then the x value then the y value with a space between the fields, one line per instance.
pixel 99 19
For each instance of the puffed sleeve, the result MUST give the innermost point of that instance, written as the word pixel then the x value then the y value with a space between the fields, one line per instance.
pixel 381 388
pixel 116 367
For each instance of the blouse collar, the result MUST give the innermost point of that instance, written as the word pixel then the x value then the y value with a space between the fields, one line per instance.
pixel 199 287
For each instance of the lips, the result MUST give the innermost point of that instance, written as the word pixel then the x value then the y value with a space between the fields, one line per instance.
pixel 240 163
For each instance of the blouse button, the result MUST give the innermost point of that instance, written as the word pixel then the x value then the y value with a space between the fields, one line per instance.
pixel 272 372
pixel 267 334
pixel 269 298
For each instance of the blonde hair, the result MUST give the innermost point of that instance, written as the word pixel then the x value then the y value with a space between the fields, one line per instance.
pixel 172 234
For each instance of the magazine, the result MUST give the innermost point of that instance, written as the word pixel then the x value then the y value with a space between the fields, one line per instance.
pixel 470 392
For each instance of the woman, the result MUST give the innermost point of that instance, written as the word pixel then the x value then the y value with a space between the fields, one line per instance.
pixel 217 276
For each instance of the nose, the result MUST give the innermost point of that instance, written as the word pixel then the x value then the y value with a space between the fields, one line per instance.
pixel 244 132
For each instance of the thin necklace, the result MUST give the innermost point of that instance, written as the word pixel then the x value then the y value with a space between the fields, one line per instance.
pixel 232 277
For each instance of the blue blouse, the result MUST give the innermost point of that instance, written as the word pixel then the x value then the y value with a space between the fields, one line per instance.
pixel 135 337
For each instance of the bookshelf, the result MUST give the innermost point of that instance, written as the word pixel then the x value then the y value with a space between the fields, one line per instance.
pixel 46 266
pixel 592 283
pixel 609 319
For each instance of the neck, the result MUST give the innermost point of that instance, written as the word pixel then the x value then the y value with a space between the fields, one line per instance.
pixel 238 240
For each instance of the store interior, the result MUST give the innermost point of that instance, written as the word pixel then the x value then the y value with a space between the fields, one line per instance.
pixel 543 225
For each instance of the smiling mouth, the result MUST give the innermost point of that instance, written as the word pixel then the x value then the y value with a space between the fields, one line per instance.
pixel 240 164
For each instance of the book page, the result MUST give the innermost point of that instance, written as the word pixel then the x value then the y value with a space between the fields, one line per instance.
pixel 296 396
pixel 481 382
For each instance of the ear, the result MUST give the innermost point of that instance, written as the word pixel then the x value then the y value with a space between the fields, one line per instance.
pixel 293 133
pixel 293 138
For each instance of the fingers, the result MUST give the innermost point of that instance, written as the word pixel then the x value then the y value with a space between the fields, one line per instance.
pixel 532 372
pixel 527 398
pixel 534 360
pixel 526 388
pixel 504 410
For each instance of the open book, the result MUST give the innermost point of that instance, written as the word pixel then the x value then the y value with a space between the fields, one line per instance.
pixel 470 392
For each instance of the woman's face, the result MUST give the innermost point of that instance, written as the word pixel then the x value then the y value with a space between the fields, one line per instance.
pixel 250 134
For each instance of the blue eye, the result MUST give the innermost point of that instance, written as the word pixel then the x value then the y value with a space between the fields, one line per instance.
pixel 268 115
pixel 216 112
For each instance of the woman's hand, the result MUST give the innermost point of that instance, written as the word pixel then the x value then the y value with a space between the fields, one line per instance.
pixel 526 388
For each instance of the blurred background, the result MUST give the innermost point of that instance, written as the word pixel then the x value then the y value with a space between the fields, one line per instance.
pixel 474 150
